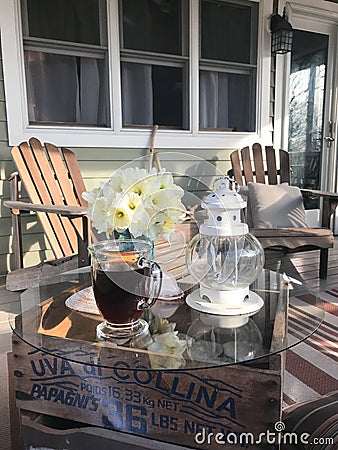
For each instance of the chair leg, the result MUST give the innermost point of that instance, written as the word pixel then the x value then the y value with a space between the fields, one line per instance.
pixel 17 241
pixel 323 263
pixel 16 221
pixel 83 255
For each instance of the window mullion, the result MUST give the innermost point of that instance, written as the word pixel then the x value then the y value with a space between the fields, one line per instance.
pixel 185 36
pixel 231 65
pixel 64 48
pixel 153 59
pixel 156 56
pixel 24 14
pixel 114 64
pixel 185 10
pixel 102 19
pixel 194 7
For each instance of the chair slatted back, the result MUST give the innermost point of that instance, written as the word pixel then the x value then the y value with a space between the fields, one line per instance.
pixel 52 176
pixel 249 166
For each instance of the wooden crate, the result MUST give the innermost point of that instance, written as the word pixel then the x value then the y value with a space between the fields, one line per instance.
pixel 40 430
pixel 194 408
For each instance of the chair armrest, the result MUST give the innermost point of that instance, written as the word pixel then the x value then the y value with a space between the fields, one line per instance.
pixel 13 175
pixel 63 210
pixel 330 203
pixel 318 193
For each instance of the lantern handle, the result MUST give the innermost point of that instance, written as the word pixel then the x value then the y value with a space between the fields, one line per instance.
pixel 226 182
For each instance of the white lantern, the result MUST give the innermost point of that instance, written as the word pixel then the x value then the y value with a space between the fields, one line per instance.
pixel 224 258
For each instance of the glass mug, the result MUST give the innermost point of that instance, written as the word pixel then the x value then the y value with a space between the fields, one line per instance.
pixel 125 282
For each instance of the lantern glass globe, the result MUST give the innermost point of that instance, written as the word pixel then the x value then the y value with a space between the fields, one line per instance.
pixel 225 262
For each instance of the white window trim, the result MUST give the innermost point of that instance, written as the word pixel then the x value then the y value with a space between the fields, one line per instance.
pixel 19 129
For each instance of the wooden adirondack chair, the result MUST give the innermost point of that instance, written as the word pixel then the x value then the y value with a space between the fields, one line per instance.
pixel 289 239
pixel 53 181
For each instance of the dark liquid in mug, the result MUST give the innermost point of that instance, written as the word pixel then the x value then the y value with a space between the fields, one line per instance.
pixel 116 304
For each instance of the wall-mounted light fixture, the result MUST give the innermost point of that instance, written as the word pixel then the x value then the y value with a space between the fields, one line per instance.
pixel 281 34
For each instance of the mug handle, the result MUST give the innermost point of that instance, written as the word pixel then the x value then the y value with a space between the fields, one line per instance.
pixel 155 282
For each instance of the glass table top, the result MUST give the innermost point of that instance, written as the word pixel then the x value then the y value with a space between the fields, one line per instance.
pixel 179 338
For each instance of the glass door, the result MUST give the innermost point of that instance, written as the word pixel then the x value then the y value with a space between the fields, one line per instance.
pixel 310 120
pixel 307 87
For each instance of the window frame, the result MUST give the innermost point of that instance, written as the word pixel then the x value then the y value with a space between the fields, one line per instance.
pixel 20 130
pixel 232 67
pixel 160 59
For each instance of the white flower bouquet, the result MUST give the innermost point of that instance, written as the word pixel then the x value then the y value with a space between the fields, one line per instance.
pixel 136 201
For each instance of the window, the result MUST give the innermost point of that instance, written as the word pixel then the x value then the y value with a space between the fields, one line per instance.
pixel 104 72
pixel 65 51
pixel 228 65
pixel 154 63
